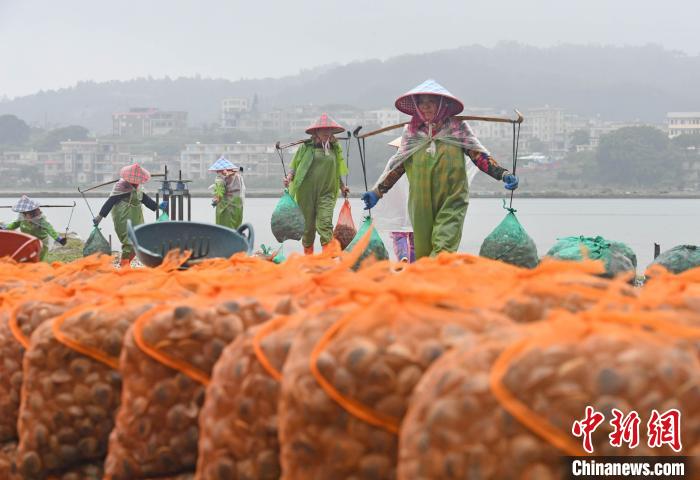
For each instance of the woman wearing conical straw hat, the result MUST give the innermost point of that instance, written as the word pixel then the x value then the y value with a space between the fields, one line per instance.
pixel 314 180
pixel 432 155
pixel 229 191
pixel 32 221
pixel 125 204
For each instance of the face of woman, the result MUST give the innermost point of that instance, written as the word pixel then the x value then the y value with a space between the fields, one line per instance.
pixel 323 134
pixel 427 104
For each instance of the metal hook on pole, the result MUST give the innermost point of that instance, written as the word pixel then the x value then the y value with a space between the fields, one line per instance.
pixel 86 202
pixel 362 149
pixel 70 217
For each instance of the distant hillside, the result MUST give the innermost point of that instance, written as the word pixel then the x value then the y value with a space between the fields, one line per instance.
pixel 617 83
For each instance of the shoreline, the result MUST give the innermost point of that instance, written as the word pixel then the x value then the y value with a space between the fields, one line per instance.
pixel 275 193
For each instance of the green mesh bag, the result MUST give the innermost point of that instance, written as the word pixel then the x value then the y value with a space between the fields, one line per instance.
pixel 617 257
pixel 510 243
pixel 679 259
pixel 287 219
pixel 375 248
pixel 96 243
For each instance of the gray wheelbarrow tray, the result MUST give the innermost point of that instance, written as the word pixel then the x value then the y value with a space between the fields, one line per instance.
pixel 152 241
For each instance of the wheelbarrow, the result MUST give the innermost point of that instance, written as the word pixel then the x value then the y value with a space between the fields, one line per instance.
pixel 19 246
pixel 152 241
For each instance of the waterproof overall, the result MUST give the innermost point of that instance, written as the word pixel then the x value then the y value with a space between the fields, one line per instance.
pixel 438 198
pixel 229 210
pixel 315 188
pixel 123 211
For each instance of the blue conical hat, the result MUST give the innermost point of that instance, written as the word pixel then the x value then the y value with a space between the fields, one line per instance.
pixel 25 204
pixel 406 104
pixel 222 164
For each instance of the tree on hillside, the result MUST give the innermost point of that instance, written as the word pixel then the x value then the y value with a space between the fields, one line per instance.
pixel 638 156
pixel 580 137
pixel 685 141
pixel 13 130
pixel 52 139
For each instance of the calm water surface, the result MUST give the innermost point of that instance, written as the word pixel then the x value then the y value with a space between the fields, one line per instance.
pixel 636 222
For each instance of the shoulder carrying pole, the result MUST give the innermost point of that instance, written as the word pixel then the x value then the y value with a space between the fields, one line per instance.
pixel 518 119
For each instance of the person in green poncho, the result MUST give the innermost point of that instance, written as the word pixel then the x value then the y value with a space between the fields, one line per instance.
pixel 32 222
pixel 432 155
pixel 229 192
pixel 314 180
pixel 125 204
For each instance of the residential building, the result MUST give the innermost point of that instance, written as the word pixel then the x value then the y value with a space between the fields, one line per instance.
pixel 683 123
pixel 87 161
pixel 232 109
pixel 258 160
pixel 385 117
pixel 147 122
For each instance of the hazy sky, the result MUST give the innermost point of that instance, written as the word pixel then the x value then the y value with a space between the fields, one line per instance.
pixel 48 44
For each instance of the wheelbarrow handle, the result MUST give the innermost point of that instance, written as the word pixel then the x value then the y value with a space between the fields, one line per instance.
pixel 250 237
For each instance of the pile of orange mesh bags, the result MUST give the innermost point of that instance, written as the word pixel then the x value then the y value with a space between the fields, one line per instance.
pixel 242 369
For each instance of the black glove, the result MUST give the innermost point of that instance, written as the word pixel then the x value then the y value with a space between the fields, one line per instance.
pixel 62 240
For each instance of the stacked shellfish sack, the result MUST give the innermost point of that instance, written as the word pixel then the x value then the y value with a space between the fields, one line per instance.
pixel 240 368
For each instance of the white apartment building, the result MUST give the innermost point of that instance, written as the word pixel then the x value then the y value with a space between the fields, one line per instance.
pixel 232 110
pixel 147 122
pixel 683 123
pixel 258 160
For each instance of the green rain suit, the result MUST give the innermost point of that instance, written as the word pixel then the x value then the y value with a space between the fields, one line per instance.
pixel 438 183
pixel 229 209
pixel 38 227
pixel 127 210
pixel 125 204
pixel 315 188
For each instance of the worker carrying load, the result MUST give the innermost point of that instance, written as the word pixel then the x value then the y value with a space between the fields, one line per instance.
pixel 229 192
pixel 314 180
pixel 125 204
pixel 431 155
pixel 32 221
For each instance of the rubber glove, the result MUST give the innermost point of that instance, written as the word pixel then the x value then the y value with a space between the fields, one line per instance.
pixel 163 205
pixel 62 240
pixel 511 181
pixel 370 199
pixel 96 221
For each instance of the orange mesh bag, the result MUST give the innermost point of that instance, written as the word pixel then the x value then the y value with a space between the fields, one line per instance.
pixel 10 378
pixel 71 387
pixel 238 423
pixel 166 362
pixel 666 291
pixel 18 321
pixel 8 452
pixel 525 295
pixel 343 398
pixel 345 230
pixel 15 329
pixel 562 285
pixel 518 398
pixel 8 469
